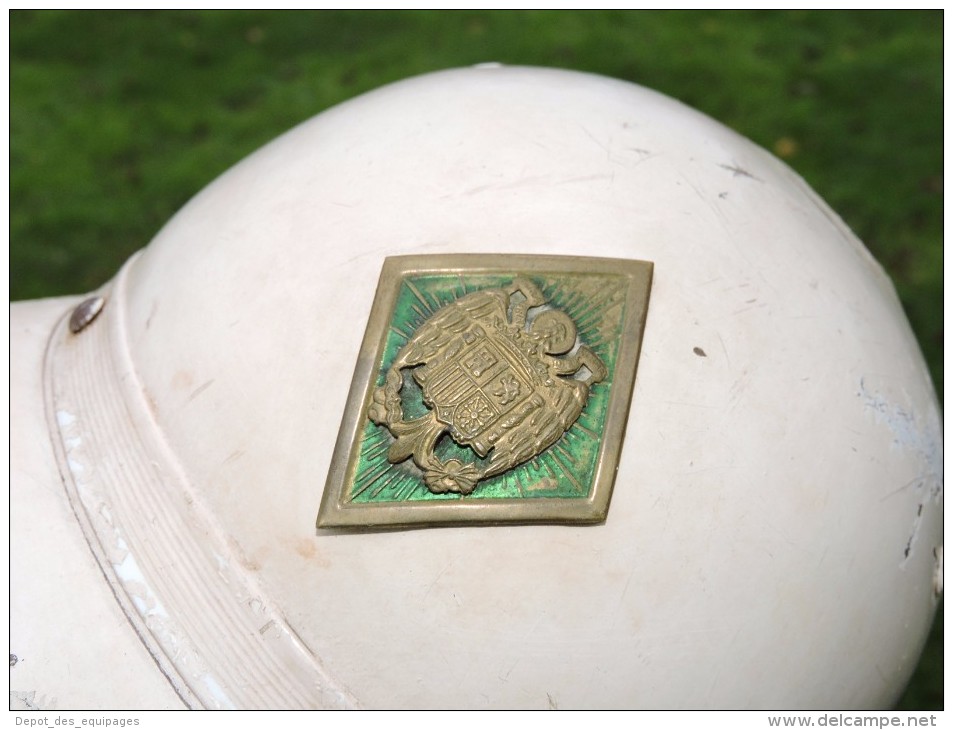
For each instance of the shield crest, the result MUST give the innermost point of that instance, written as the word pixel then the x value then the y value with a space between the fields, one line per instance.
pixel 490 370
pixel 475 391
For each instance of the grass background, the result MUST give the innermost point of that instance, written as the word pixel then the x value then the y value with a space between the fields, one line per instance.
pixel 118 118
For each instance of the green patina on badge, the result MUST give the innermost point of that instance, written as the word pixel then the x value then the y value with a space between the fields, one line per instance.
pixel 497 392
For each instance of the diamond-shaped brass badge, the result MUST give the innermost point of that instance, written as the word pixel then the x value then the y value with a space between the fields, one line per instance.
pixel 489 389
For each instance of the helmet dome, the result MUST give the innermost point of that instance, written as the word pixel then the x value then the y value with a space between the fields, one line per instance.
pixel 776 517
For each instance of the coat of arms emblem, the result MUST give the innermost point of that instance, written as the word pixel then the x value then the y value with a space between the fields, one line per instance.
pixel 489 389
pixel 503 384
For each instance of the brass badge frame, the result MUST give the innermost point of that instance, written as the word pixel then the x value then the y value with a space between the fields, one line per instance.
pixel 489 389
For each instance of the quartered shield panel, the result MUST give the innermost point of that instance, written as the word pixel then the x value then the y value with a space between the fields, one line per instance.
pixel 489 389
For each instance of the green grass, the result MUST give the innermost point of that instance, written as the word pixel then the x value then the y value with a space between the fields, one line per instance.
pixel 117 118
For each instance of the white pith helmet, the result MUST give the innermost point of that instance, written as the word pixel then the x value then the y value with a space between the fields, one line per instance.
pixel 775 531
